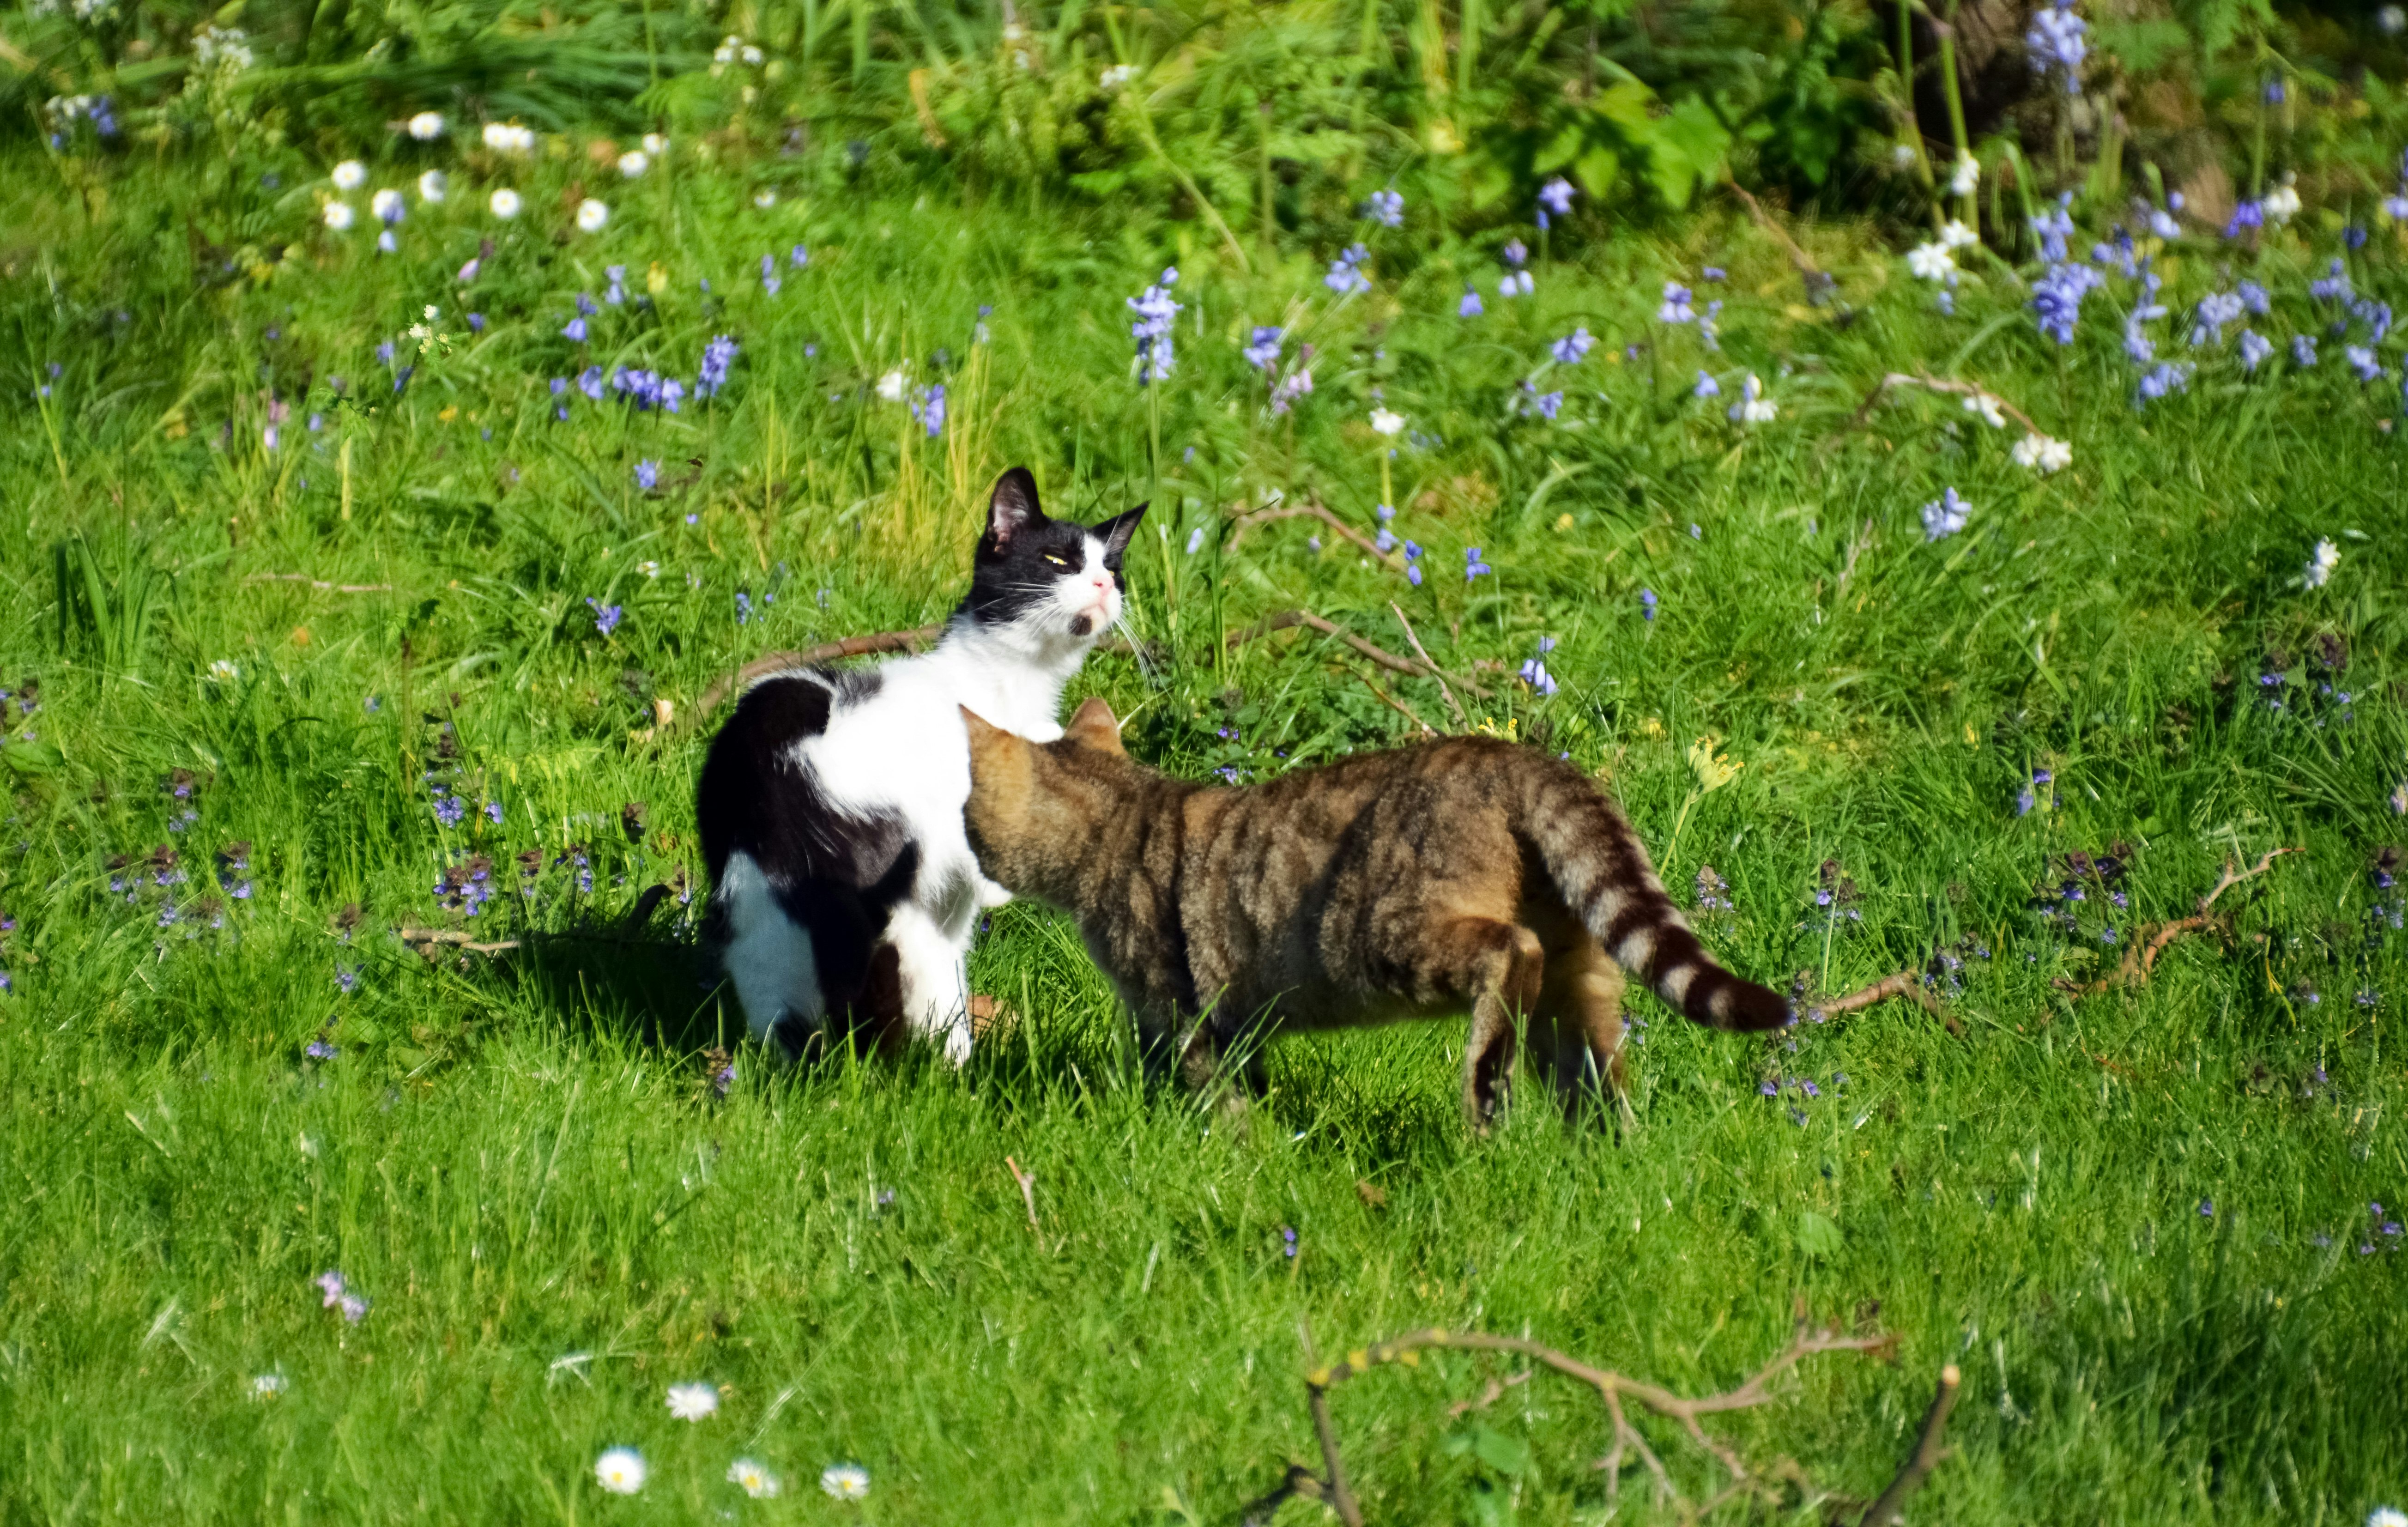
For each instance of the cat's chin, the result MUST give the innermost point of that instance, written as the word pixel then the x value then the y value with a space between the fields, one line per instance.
pixel 1082 625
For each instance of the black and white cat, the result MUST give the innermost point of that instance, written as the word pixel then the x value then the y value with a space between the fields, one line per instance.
pixel 830 806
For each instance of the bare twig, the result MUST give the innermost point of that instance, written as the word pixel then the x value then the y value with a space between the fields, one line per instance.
pixel 317 583
pixel 1286 619
pixel 826 652
pixel 426 939
pixel 2140 959
pixel 1812 274
pixel 1027 1181
pixel 1906 984
pixel 1313 511
pixel 1395 704
pixel 1927 1452
pixel 1612 1389
pixel 1962 389
pixel 1423 652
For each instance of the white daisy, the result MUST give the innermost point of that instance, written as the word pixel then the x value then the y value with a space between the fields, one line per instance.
pixel 1965 176
pixel 350 175
pixel 433 186
pixel 1955 236
pixel 620 1471
pixel 2043 455
pixel 1930 261
pixel 845 1481
pixel 268 1386
pixel 338 215
pixel 591 215
pixel 693 1402
pixel 755 1477
pixel 2320 566
pixel 633 163
pixel 655 145
pixel 765 198
pixel 891 385
pixel 426 127
pixel 387 204
pixel 505 203
pixel 1387 421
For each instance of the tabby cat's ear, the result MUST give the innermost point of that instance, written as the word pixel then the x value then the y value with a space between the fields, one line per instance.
pixel 1012 507
pixel 1095 726
pixel 1115 533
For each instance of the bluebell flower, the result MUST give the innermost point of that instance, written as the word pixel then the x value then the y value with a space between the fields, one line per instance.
pixel 2361 360
pixel 575 329
pixel 2274 92
pixel 2053 228
pixel 1572 346
pixel 1713 273
pixel 717 356
pixel 743 608
pixel 1556 195
pixel 2214 311
pixel 1382 512
pixel 2375 315
pixel 1473 566
pixel 1675 307
pixel 1647 604
pixel 1195 541
pixel 589 382
pixel 1387 208
pixel 2057 42
pixel 385 352
pixel 1264 352
pixel 798 257
pixel 1946 516
pixel 559 386
pixel 2353 235
pixel 1156 317
pixel 1345 276
pixel 2249 214
pixel 318 1050
pixel 2254 348
pixel 1470 307
pixel 493 813
pixel 1385 541
pixel 618 278
pixel 2056 298
pixel 1412 551
pixel 347 977
pixel 476 322
pixel 2333 286
pixel 1413 574
pixel 2303 350
pixel 769 282
pixel 1550 404
pixel 2253 298
pixel 1707 386
pixel 2172 377
pixel 1514 253
pixel 605 616
pixel 928 409
pixel 648 475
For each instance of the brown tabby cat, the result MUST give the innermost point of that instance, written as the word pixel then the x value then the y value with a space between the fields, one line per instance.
pixel 1411 884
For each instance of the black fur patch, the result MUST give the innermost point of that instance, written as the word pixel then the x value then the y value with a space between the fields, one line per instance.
pixel 836 874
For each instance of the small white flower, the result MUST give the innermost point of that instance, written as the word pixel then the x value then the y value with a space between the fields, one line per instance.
pixel 2320 567
pixel 1930 261
pixel 433 186
pixel 620 1471
pixel 387 205
pixel 2392 19
pixel 845 1481
pixel 1988 407
pixel 2282 204
pixel 725 52
pixel 749 54
pixel 2400 799
pixel 1387 421
pixel 693 1402
pixel 1965 176
pixel 350 175
pixel 891 385
pixel 633 163
pixel 591 215
pixel 426 127
pixel 1752 407
pixel 655 145
pixel 1901 157
pixel 1117 76
pixel 765 198
pixel 2387 1516
pixel 509 137
pixel 1955 236
pixel 268 1386
pixel 2043 455
pixel 505 203
pixel 649 567
pixel 338 215
pixel 755 1477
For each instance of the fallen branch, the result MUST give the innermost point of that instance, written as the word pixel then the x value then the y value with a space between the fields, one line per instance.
pixel 826 652
pixel 1393 703
pixel 2140 959
pixel 1613 1390
pixel 427 939
pixel 1313 511
pixel 1027 1181
pixel 1818 282
pixel 317 583
pixel 1285 619
pixel 1961 389
pixel 1906 984
pixel 1927 1455
pixel 1423 652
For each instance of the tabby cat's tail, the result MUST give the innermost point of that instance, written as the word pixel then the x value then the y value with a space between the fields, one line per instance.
pixel 1602 870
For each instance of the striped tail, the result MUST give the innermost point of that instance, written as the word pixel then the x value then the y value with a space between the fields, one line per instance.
pixel 1601 867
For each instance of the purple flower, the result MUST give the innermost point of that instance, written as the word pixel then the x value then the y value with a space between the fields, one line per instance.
pixel 1156 316
pixel 448 810
pixel 1473 566
pixel 1534 674
pixel 1470 307
pixel 2057 42
pixel 1647 604
pixel 347 977
pixel 476 322
pixel 2171 377
pixel 494 812
pixel 355 1306
pixel 1946 516
pixel 1288 1240
pixel 1713 273
pixel 1572 346
pixel 605 616
pixel 2254 348
pixel 928 409
pixel 2361 360
pixel 1386 208
pixel 798 257
pixel 2207 1208
pixel 1264 352
pixel 575 329
pixel 1516 253
pixel 1707 386
pixel 1550 404
pixel 743 608
pixel 648 475
pixel 589 382
pixel 717 356
pixel 1345 276
pixel 2303 350
pixel 1413 574
pixel 1556 196
pixel 2333 286
pixel 1676 308
pixel 769 273
pixel 331 1284
pixel 318 1050
pixel 2249 214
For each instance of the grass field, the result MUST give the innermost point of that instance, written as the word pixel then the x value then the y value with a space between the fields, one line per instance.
pixel 2140 1219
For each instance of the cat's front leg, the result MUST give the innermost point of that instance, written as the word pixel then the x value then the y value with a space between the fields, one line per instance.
pixel 990 894
pixel 936 981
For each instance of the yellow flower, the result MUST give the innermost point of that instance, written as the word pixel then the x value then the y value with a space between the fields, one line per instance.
pixel 1712 772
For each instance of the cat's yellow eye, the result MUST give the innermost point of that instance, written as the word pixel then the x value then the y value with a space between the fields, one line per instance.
pixel 1055 560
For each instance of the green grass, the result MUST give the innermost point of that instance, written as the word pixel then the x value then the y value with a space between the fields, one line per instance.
pixel 520 1159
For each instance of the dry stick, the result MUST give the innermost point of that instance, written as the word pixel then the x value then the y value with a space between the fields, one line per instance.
pixel 1927 1452
pixel 1611 1388
pixel 1247 521
pixel 1394 664
pixel 1027 1181
pixel 1906 984
pixel 425 939
pixel 1423 652
pixel 1797 258
pixel 1393 703
pixel 2140 959
pixel 826 652
pixel 1962 389
pixel 317 583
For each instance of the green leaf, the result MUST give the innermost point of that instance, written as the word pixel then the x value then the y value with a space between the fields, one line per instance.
pixel 1598 170
pixel 1817 1236
pixel 24 758
pixel 2142 46
pixel 1562 149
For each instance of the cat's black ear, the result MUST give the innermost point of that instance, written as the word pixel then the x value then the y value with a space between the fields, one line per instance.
pixel 1012 508
pixel 1115 533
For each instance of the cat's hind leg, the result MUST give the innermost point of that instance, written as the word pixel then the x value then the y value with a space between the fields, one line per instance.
pixel 1500 966
pixel 1576 1029
pixel 935 979
pixel 769 958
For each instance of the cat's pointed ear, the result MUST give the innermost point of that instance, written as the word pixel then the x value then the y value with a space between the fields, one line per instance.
pixel 1095 726
pixel 985 737
pixel 1115 533
pixel 1011 508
